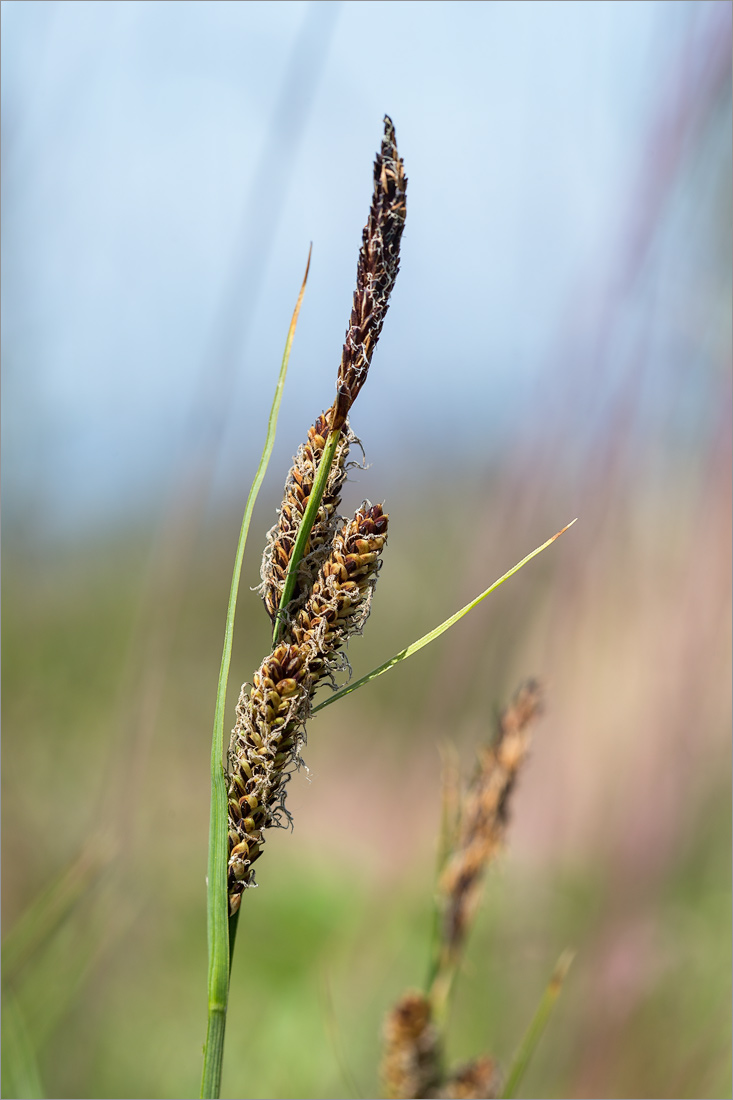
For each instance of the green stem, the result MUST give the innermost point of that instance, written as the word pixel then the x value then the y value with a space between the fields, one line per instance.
pixel 537 1026
pixel 217 902
pixel 438 984
pixel 306 526
pixel 20 1074
pixel 214 1051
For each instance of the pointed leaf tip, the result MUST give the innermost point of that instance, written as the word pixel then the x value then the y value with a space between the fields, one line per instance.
pixel 564 529
pixel 433 634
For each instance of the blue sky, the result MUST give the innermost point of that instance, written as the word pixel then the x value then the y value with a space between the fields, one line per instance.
pixel 166 164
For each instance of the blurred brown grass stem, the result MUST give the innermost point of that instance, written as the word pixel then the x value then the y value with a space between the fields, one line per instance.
pixel 476 838
pixel 473 830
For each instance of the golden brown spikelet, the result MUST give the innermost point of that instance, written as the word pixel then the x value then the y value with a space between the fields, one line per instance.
pixel 411 1061
pixel 272 711
pixel 265 742
pixel 477 1080
pixel 340 600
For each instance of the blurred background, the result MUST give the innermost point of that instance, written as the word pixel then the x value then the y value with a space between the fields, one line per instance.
pixel 559 345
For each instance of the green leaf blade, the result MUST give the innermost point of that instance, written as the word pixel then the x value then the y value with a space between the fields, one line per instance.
pixel 306 526
pixel 537 1026
pixel 426 639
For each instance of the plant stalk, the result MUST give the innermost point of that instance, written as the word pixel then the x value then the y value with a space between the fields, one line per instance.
pixel 306 526
pixel 220 932
pixel 537 1026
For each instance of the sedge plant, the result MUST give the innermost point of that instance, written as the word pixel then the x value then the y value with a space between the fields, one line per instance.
pixel 319 572
pixel 473 832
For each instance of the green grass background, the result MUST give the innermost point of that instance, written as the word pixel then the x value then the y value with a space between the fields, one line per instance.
pixel 619 846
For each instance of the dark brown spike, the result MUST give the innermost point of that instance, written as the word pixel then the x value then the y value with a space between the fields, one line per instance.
pixel 376 271
pixel 338 572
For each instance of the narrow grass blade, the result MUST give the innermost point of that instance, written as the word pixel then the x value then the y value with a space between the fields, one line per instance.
pixel 50 909
pixel 449 821
pixel 427 638
pixel 349 1084
pixel 20 1076
pixel 217 902
pixel 537 1026
pixel 450 804
pixel 306 526
pixel 63 972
